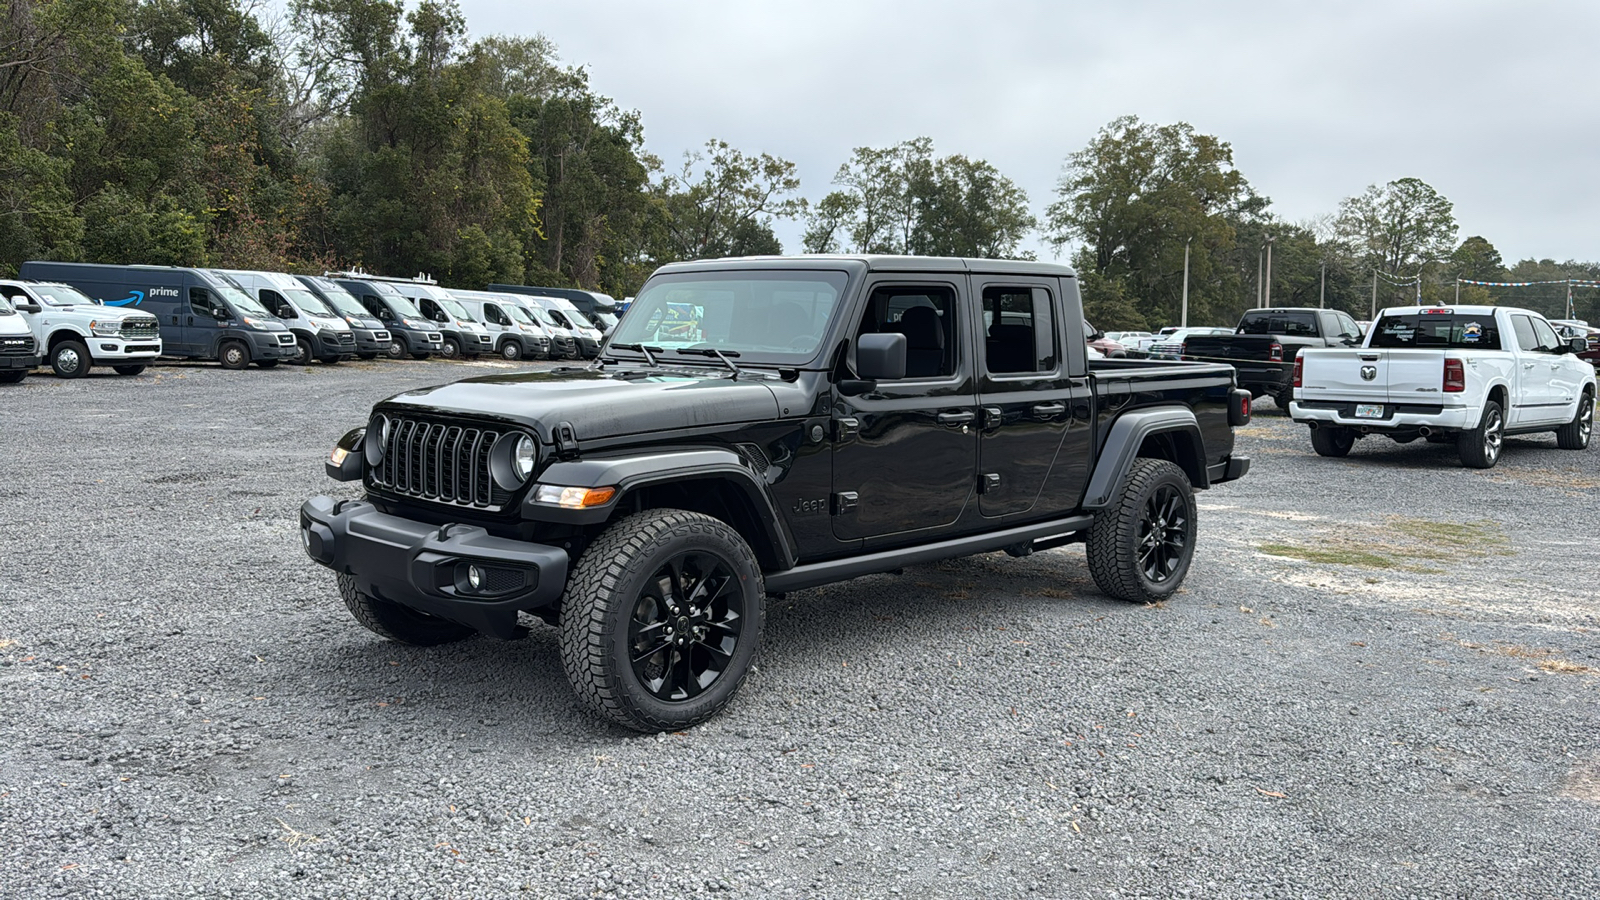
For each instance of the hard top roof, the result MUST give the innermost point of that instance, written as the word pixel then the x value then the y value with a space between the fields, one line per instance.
pixel 876 263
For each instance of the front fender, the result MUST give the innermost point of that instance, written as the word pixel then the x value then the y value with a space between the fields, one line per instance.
pixel 1122 445
pixel 630 473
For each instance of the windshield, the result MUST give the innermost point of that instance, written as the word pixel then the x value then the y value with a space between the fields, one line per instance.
pixel 1279 323
pixel 61 295
pixel 607 320
pixel 1448 329
pixel 544 316
pixel 307 302
pixel 243 303
pixel 5 308
pixel 403 306
pixel 340 299
pixel 517 314
pixel 454 308
pixel 757 313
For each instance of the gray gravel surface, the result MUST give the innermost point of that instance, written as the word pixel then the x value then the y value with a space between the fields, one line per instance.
pixel 1380 681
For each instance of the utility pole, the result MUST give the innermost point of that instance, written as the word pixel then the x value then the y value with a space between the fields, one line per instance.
pixel 1458 290
pixel 1260 255
pixel 1183 320
pixel 1268 286
pixel 1569 300
pixel 1323 295
pixel 1374 314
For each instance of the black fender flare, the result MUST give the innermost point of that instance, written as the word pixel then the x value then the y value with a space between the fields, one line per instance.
pixel 629 473
pixel 1122 445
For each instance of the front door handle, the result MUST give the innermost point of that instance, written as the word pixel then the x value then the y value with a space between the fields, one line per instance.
pixel 1049 410
pixel 964 417
pixel 1529 365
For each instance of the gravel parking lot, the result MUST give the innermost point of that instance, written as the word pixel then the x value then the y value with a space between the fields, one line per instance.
pixel 1382 679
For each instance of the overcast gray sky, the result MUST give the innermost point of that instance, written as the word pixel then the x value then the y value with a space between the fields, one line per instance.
pixel 1495 104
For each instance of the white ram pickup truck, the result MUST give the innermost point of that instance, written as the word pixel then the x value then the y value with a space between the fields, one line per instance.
pixel 1467 374
pixel 74 332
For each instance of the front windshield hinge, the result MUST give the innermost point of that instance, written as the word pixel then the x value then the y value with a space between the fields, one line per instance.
pixel 566 440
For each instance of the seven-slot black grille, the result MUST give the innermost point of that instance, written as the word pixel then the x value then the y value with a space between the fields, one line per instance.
pixel 139 328
pixel 441 462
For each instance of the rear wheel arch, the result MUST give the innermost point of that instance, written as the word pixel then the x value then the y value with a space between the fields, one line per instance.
pixel 1180 447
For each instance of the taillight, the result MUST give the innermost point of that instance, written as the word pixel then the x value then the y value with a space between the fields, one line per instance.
pixel 1183 350
pixel 1299 371
pixel 1455 377
pixel 1275 351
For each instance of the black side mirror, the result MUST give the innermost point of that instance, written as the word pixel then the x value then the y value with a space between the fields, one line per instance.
pixel 27 307
pixel 221 315
pixel 881 357
pixel 1577 344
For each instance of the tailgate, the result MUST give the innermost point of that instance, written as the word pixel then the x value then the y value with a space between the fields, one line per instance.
pixel 1361 375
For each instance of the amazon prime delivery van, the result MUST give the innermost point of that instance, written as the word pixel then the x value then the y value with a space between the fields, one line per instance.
pixel 202 314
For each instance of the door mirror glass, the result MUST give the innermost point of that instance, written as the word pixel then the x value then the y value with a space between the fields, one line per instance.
pixel 27 306
pixel 881 357
pixel 1577 344
pixel 221 314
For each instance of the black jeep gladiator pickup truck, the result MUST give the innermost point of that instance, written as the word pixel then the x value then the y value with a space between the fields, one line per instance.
pixel 1262 349
pixel 758 426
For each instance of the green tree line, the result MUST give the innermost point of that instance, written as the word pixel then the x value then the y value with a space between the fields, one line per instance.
pixel 369 133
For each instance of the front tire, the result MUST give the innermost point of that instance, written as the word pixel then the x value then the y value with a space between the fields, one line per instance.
pixel 1479 448
pixel 511 350
pixel 303 353
pixel 662 619
pixel 70 359
pixel 1139 550
pixel 397 349
pixel 452 349
pixel 234 355
pixel 129 370
pixel 400 624
pixel 1575 434
pixel 1332 440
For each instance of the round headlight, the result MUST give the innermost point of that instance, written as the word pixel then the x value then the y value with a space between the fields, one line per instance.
pixel 377 440
pixel 523 459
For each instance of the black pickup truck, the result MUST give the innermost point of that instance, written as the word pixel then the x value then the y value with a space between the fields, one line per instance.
pixel 764 425
pixel 1262 349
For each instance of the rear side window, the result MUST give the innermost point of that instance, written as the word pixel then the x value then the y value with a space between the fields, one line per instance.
pixel 1018 333
pixel 1279 323
pixel 1420 330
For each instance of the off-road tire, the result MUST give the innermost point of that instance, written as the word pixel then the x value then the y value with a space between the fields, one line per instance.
pixel 1332 440
pixel 511 350
pixel 12 376
pixel 129 370
pixel 233 355
pixel 1480 447
pixel 1575 434
pixel 451 349
pixel 600 601
pixel 1283 399
pixel 304 352
pixel 1114 543
pixel 397 623
pixel 70 359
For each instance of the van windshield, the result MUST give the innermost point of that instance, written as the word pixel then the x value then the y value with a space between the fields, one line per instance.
pixel 340 299
pixel 61 295
pixel 517 314
pixel 5 308
pixel 779 314
pixel 454 308
pixel 403 306
pixel 544 316
pixel 308 302
pixel 1446 329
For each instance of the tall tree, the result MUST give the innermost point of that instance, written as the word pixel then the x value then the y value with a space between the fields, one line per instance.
pixel 1399 227
pixel 723 203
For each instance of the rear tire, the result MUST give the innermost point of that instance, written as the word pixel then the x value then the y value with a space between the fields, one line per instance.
pixel 1283 398
pixel 662 619
pixel 233 355
pixel 1479 448
pixel 400 624
pixel 70 359
pixel 1575 434
pixel 1139 550
pixel 129 370
pixel 1332 441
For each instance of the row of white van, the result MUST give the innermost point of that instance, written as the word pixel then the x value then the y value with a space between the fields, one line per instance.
pixel 73 316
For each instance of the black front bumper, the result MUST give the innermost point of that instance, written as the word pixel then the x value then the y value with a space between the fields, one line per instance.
pixel 19 362
pixel 424 567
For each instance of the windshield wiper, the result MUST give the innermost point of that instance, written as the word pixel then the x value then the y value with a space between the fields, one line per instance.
pixel 712 351
pixel 647 351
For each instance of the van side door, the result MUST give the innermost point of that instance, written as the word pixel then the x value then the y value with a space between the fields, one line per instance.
pixel 202 322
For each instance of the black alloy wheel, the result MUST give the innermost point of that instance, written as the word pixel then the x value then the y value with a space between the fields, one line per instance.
pixel 685 626
pixel 1163 533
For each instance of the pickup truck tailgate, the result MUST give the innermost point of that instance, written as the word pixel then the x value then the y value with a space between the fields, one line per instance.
pixel 1377 376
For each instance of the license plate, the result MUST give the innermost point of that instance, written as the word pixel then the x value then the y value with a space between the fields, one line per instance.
pixel 1369 410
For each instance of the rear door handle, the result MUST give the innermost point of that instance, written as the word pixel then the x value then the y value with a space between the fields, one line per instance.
pixel 964 417
pixel 1049 410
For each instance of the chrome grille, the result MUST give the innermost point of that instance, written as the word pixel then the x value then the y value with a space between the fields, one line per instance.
pixel 440 462
pixel 139 328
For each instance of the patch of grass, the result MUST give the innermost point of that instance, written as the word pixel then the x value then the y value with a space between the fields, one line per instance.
pixel 1482 534
pixel 1332 555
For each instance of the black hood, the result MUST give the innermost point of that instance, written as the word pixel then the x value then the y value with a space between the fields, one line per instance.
pixel 598 404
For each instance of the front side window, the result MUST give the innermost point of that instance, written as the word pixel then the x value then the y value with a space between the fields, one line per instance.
pixel 1526 339
pixel 1019 333
pixel 376 307
pixel 1546 335
pixel 925 314
pixel 775 314
pixel 201 303
pixel 276 305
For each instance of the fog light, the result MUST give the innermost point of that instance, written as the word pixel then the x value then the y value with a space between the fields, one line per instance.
pixel 475 577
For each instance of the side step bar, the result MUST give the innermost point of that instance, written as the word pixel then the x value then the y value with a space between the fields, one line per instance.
pixel 814 574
